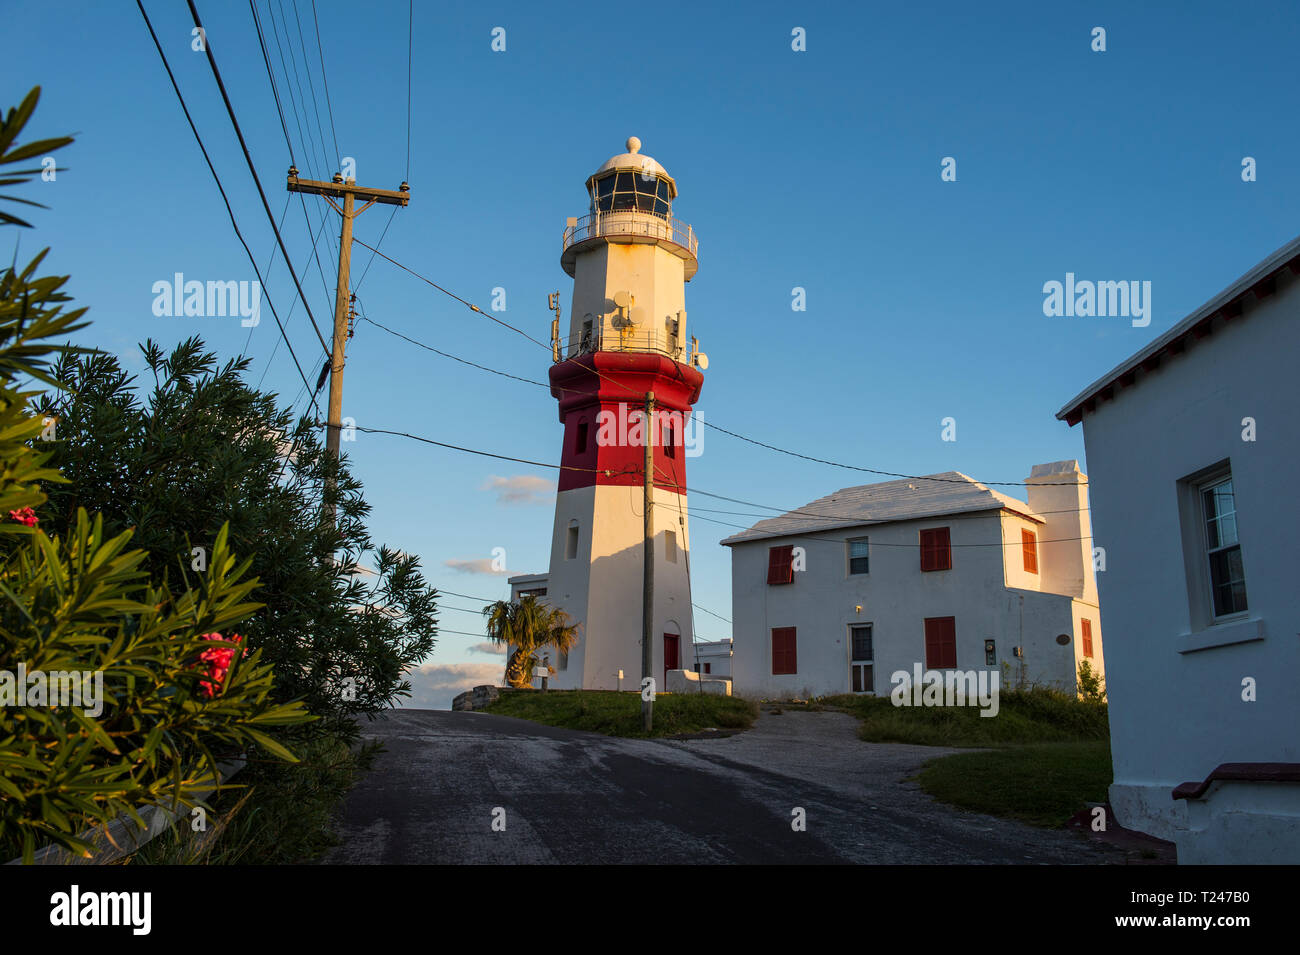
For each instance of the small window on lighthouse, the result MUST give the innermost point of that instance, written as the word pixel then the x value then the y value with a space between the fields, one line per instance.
pixel 670 546
pixel 571 543
pixel 580 445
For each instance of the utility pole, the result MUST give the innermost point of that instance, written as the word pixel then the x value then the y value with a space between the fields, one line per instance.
pixel 648 570
pixel 349 192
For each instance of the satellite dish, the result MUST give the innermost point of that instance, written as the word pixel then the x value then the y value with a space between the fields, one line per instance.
pixel 622 299
pixel 703 361
pixel 636 316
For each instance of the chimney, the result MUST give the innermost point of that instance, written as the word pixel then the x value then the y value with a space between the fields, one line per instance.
pixel 1058 492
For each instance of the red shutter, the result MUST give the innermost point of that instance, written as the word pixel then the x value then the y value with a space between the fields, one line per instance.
pixel 779 564
pixel 940 643
pixel 1086 627
pixel 784 654
pixel 936 549
pixel 1029 544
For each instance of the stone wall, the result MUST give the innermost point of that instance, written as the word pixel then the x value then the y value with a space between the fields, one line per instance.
pixel 478 697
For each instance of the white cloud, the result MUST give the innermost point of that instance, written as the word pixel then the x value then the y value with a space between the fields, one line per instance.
pixel 487 646
pixel 520 489
pixel 433 685
pixel 482 565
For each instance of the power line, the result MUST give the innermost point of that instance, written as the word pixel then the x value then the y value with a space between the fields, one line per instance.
pixel 249 338
pixel 311 84
pixel 467 596
pixel 275 92
pixel 682 488
pixel 712 614
pixel 287 319
pixel 779 511
pixel 410 45
pixel 221 188
pixel 230 111
pixel 324 78
pixel 463 361
pixel 470 305
pixel 734 434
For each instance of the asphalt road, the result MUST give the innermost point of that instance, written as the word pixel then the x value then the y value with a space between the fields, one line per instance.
pixel 571 797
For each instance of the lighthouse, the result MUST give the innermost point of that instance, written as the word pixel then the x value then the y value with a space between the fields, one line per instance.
pixel 630 259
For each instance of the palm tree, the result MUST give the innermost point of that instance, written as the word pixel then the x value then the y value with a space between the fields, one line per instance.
pixel 528 625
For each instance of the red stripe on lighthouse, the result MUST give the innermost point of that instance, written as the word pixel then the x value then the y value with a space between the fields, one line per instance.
pixel 605 391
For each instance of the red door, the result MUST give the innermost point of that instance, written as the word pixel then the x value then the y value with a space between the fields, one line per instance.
pixel 671 659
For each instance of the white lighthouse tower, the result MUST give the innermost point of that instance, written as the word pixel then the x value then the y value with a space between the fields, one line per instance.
pixel 629 259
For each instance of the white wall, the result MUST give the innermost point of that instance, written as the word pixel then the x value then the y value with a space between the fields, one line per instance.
pixel 896 597
pixel 602 587
pixel 1177 712
pixel 655 278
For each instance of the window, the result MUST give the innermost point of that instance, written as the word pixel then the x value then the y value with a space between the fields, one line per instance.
pixel 1029 544
pixel 936 549
pixel 780 569
pixel 670 440
pixel 940 643
pixel 861 669
pixel 1222 549
pixel 784 657
pixel 580 443
pixel 858 556
pixel 670 546
pixel 571 542
pixel 708 668
pixel 1085 636
pixel 628 190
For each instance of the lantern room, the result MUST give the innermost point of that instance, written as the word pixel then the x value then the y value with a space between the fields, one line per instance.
pixel 632 183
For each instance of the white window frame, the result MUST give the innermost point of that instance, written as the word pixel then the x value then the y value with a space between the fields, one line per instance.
pixel 1208 552
pixel 1205 628
pixel 848 556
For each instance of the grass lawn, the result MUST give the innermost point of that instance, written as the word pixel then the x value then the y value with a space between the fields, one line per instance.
pixel 619 714
pixel 1040 783
pixel 1024 716
pixel 1048 754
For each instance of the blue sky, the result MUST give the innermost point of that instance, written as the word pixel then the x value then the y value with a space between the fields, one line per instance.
pixel 817 169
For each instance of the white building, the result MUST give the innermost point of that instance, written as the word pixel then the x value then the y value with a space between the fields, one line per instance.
pixel 1194 448
pixel 838 595
pixel 630 260
pixel 713 658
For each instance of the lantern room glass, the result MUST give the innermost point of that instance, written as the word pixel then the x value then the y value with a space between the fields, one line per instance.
pixel 631 191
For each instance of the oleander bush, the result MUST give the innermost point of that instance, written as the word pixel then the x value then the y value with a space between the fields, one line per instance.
pixel 117 692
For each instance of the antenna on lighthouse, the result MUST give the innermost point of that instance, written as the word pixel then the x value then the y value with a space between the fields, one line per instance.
pixel 553 303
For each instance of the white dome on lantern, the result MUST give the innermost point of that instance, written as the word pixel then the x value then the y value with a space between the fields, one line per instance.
pixel 634 160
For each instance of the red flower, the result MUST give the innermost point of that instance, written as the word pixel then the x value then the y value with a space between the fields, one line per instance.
pixel 218 661
pixel 25 516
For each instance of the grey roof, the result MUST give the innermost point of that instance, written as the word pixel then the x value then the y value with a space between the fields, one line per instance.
pixel 935 495
pixel 1282 257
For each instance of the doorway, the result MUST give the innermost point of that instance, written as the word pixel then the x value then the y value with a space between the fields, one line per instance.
pixel 672 657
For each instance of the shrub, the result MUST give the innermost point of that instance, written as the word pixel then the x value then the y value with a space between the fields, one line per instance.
pixel 176 695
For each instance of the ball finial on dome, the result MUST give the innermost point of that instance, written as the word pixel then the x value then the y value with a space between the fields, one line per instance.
pixel 633 144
